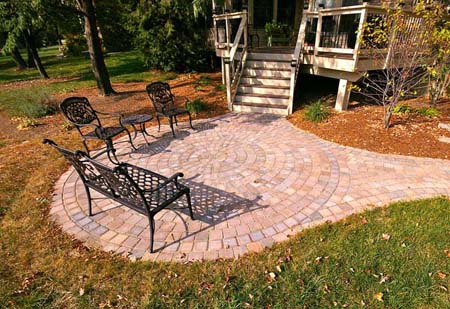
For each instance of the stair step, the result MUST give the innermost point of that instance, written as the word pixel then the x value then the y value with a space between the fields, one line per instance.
pixel 277 109
pixel 263 89
pixel 270 56
pixel 265 80
pixel 267 72
pixel 262 99
pixel 256 64
pixel 259 95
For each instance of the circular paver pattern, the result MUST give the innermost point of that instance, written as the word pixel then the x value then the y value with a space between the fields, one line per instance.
pixel 255 180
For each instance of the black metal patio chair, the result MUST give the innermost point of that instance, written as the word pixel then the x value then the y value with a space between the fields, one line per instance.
pixel 80 113
pixel 164 103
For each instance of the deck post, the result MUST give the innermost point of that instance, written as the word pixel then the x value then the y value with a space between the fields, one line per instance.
pixel 228 83
pixel 343 95
pixel 222 65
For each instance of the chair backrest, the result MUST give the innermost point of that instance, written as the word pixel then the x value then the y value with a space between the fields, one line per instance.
pixel 79 111
pixel 161 96
pixel 112 181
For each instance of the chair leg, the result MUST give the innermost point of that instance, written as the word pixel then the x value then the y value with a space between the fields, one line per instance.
pixel 159 123
pixel 152 231
pixel 176 121
pixel 110 150
pixel 88 193
pixel 188 198
pixel 190 121
pixel 171 126
pixel 85 146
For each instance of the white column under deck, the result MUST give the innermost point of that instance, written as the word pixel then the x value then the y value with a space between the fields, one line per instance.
pixel 343 96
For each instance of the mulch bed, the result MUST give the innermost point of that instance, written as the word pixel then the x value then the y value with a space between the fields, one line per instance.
pixel 362 127
pixel 130 98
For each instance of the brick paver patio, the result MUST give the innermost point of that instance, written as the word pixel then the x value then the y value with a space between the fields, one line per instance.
pixel 255 180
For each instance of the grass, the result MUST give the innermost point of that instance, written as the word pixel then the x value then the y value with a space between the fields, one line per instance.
pixel 76 71
pixel 348 263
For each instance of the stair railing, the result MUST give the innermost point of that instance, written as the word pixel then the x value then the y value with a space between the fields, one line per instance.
pixel 296 61
pixel 234 61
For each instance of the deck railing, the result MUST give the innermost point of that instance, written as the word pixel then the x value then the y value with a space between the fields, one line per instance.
pixel 233 41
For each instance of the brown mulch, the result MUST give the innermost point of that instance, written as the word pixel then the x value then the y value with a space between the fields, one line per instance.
pixel 130 98
pixel 362 127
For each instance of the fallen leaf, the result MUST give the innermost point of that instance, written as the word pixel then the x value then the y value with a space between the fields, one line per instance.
pixel 447 251
pixel 441 275
pixel 386 236
pixel 364 220
pixel 272 275
pixel 279 269
pixel 383 279
pixel 378 296
pixel 81 291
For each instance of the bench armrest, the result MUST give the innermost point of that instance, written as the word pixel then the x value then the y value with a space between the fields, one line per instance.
pixel 173 178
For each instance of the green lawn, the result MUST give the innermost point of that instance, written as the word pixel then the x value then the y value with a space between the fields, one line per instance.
pixel 122 67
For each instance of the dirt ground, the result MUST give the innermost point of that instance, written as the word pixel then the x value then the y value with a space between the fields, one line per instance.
pixel 362 127
pixel 131 98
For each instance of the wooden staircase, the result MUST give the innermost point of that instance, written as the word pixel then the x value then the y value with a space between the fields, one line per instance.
pixel 265 83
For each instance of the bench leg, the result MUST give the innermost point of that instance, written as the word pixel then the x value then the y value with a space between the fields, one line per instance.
pixel 188 198
pixel 88 193
pixel 152 231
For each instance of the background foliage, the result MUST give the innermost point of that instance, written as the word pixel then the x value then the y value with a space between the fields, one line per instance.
pixel 170 36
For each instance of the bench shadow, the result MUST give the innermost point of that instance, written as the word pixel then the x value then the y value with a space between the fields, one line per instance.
pixel 211 206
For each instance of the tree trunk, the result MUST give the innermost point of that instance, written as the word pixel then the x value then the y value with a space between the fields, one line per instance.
pixel 37 60
pixel 30 61
pixel 95 48
pixel 20 63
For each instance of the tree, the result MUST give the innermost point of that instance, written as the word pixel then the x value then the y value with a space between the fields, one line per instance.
pixel 87 9
pixel 21 19
pixel 170 36
pixel 399 42
pixel 17 57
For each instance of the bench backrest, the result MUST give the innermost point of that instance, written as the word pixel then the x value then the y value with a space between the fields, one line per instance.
pixel 113 182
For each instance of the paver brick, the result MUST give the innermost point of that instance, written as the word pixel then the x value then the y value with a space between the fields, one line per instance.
pixel 250 189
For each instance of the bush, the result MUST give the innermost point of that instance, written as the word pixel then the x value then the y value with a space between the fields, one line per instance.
pixel 74 45
pixel 402 109
pixel 428 111
pixel 170 37
pixel 196 106
pixel 317 112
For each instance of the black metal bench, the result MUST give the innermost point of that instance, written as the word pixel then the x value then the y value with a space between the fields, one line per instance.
pixel 139 189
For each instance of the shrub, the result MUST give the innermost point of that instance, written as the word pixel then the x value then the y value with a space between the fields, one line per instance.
pixel 317 112
pixel 428 111
pixel 221 87
pixel 170 37
pixel 204 80
pixel 50 104
pixel 196 106
pixel 75 44
pixel 402 109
